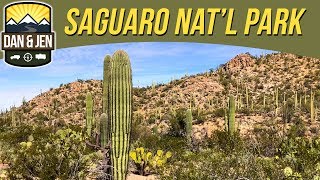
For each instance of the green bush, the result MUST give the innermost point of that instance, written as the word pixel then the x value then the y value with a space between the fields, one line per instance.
pixel 60 155
pixel 223 141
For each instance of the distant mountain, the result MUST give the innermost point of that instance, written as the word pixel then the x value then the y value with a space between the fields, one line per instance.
pixel 206 91
pixel 28 20
pixel 44 22
pixel 11 22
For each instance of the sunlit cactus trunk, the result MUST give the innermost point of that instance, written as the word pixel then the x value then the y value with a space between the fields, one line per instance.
pixel 105 126
pixel 89 114
pixel 120 112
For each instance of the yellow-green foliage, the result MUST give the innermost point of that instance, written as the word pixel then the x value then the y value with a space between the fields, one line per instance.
pixel 146 161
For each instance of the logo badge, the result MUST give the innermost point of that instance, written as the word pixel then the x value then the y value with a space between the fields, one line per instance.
pixel 28 38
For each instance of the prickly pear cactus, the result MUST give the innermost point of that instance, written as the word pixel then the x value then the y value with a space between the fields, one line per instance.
pixel 120 112
pixel 89 113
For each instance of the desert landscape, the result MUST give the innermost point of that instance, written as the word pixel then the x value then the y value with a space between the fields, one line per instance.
pixel 254 117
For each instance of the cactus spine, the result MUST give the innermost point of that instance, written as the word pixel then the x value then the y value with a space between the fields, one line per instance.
pixel 231 116
pixel 120 112
pixel 89 114
pixel 189 126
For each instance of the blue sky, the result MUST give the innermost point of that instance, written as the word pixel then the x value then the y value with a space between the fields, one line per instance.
pixel 151 61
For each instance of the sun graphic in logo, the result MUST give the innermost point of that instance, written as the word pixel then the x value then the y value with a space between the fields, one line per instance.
pixel 18 12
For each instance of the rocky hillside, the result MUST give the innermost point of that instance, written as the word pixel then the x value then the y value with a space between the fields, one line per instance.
pixel 252 80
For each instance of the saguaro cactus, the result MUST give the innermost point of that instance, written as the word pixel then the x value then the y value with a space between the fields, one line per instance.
pixel 295 100
pixel 188 124
pixel 277 101
pixel 120 112
pixel 104 133
pixel 13 118
pixel 312 115
pixel 247 97
pixel 106 73
pixel 89 114
pixel 231 117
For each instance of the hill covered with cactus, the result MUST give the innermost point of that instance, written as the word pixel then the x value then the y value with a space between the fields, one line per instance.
pixel 279 89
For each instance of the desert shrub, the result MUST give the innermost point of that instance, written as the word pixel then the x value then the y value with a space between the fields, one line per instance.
pixel 41 117
pixel 210 164
pixel 302 155
pixel 177 123
pixel 266 142
pixel 223 141
pixel 60 155
pixel 220 112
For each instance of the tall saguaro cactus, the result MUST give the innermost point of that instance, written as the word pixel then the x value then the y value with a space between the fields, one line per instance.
pixel 189 126
pixel 89 114
pixel 231 116
pixel 104 134
pixel 106 73
pixel 13 117
pixel 312 114
pixel 119 110
pixel 277 102
pixel 247 97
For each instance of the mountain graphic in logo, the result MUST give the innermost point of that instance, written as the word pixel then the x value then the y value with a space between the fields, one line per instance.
pixel 28 38
pixel 28 24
